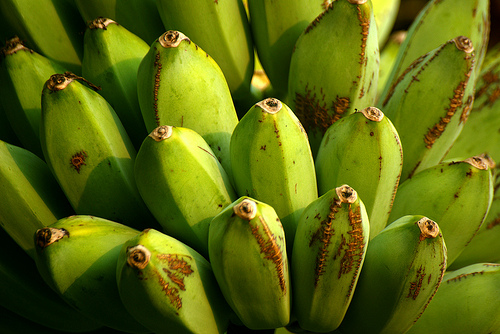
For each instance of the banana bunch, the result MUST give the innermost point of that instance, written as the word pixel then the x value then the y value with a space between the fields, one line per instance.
pixel 233 166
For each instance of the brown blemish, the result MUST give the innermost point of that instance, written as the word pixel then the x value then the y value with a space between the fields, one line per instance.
pixel 78 160
pixel 416 285
pixel 464 276
pixel 356 244
pixel 178 268
pixel 158 66
pixel 48 235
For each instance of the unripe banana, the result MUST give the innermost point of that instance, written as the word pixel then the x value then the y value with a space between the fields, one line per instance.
pixel 89 152
pixel 276 26
pixel 362 150
pixel 385 13
pixel 437 22
pixel 221 29
pixel 343 77
pixel 428 126
pixel 460 205
pixel 169 287
pixel 271 161
pixel 328 254
pixel 247 247
pixel 31 197
pixel 466 302
pixel 24 293
pixel 23 72
pixel 77 257
pixel 50 27
pixel 111 57
pixel 388 56
pixel 179 84
pixel 182 183
pixel 404 266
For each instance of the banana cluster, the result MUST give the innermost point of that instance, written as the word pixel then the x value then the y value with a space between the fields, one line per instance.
pixel 213 167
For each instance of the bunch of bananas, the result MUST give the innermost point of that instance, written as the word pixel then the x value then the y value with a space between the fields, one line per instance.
pixel 223 166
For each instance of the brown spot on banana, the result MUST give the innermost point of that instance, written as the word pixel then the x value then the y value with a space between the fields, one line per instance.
pixel 46 236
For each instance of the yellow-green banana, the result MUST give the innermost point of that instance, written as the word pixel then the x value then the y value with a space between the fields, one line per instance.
pixel 271 161
pixel 31 197
pixel 111 57
pixel 24 293
pixel 182 183
pixel 23 72
pixel 169 287
pixel 362 150
pixel 247 247
pixel 179 84
pixel 52 28
pixel 428 126
pixel 276 26
pixel 385 13
pixel 466 302
pixel 328 254
pixel 438 22
pixel 388 56
pixel 343 77
pixel 221 29
pixel 89 152
pixel 458 195
pixel 404 266
pixel 77 257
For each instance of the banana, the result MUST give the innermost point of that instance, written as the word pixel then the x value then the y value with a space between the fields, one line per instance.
pixel 179 84
pixel 23 73
pixel 86 147
pixel 438 22
pixel 247 248
pixel 221 29
pixel 480 133
pixel 271 161
pixel 276 26
pixel 466 302
pixel 77 257
pixel 169 287
pixel 182 183
pixel 328 253
pixel 111 57
pixel 403 268
pixel 322 91
pixel 388 56
pixel 461 204
pixel 24 293
pixel 428 126
pixel 140 17
pixel 362 150
pixel 385 13
pixel 31 196
pixel 52 28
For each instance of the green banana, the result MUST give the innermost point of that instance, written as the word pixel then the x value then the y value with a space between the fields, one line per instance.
pixel 328 253
pixel 31 197
pixel 23 73
pixel 466 302
pixel 461 204
pixel 480 133
pixel 403 268
pixel 385 13
pixel 182 183
pixel 140 17
pixel 428 126
pixel 77 257
pixel 86 147
pixel 322 91
pixel 169 287
pixel 271 161
pixel 276 26
pixel 362 150
pixel 111 57
pixel 50 27
pixel 221 29
pixel 247 248
pixel 437 22
pixel 179 84
pixel 388 56
pixel 24 293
